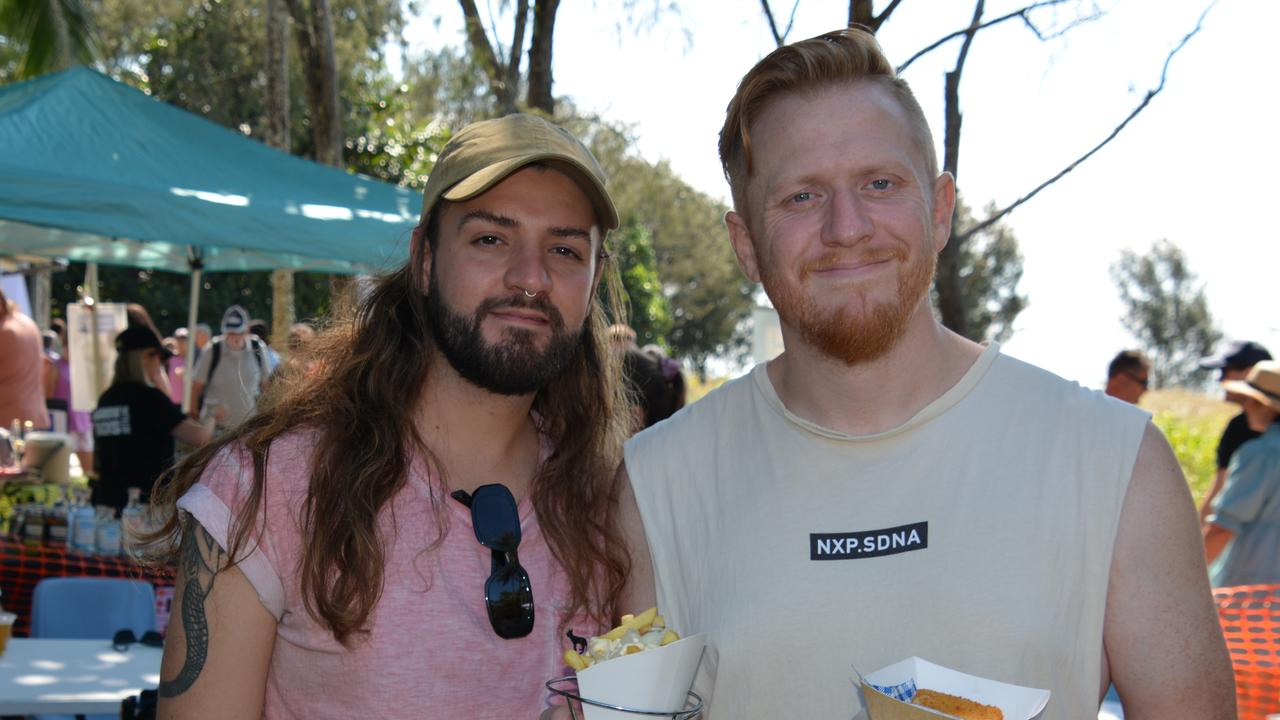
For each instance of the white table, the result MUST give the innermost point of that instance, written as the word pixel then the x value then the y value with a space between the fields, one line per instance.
pixel 73 677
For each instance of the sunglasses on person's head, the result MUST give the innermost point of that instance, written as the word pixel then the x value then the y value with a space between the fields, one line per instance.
pixel 508 596
pixel 124 638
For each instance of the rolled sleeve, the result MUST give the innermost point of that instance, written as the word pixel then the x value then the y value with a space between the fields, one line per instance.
pixel 210 502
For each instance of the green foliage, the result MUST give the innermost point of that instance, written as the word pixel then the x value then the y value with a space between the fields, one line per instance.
pixel 990 269
pixel 41 36
pixel 207 57
pixel 166 295
pixel 1167 311
pixel 1193 423
pixel 648 313
pixel 709 298
pixel 446 85
pixel 395 144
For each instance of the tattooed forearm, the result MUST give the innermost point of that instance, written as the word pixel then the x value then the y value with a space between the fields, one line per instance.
pixel 200 559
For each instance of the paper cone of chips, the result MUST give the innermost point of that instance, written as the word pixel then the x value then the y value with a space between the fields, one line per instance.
pixel 656 680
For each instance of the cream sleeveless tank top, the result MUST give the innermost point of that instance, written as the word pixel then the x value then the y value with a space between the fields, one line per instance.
pixel 978 535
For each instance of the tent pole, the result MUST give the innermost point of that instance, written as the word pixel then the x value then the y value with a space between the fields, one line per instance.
pixel 195 260
pixel 91 299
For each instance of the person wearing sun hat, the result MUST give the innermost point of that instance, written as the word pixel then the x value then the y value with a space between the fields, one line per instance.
pixel 1233 362
pixel 1242 537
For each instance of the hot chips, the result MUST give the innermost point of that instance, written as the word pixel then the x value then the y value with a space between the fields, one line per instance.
pixel 637 633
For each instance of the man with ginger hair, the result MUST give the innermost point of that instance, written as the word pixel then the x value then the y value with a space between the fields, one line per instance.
pixel 886 488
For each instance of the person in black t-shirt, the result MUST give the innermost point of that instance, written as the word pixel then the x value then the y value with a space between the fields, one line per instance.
pixel 135 423
pixel 1234 362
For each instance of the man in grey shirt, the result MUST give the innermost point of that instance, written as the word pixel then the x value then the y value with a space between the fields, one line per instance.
pixel 230 373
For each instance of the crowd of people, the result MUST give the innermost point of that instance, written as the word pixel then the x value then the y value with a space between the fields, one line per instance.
pixel 475 466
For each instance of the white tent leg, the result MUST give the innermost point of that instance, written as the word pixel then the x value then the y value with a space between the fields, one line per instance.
pixel 193 309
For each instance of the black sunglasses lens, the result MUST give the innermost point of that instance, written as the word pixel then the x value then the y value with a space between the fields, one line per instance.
pixel 495 518
pixel 122 640
pixel 151 638
pixel 509 599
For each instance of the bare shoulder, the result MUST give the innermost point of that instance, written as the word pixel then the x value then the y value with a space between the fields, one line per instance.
pixel 640 592
pixel 1162 643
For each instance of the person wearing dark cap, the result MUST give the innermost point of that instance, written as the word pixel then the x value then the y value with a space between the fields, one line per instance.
pixel 1233 363
pixel 1242 533
pixel 135 423
pixel 408 527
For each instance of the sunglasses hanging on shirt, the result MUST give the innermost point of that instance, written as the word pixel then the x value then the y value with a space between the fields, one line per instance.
pixel 508 596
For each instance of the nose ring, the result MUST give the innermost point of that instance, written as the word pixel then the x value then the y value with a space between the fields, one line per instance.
pixel 529 294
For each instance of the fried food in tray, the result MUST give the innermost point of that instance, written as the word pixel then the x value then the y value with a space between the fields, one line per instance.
pixel 956 706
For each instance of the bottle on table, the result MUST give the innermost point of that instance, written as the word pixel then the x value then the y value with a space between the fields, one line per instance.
pixel 33 521
pixel 15 439
pixel 55 523
pixel 132 521
pixel 84 534
pixel 6 628
pixel 107 532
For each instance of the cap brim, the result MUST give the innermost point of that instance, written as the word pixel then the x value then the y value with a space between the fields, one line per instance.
pixel 481 180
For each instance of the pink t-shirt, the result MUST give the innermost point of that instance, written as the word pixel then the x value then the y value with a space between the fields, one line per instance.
pixel 431 651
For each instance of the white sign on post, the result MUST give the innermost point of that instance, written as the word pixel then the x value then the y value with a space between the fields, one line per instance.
pixel 91 368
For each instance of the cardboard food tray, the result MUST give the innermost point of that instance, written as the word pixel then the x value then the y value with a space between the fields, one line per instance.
pixel 882 688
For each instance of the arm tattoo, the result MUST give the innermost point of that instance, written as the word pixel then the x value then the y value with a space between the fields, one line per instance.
pixel 200 559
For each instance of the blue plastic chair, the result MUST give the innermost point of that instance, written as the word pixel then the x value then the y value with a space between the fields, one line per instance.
pixel 91 608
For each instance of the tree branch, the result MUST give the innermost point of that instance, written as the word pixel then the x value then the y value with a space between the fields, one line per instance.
pixel 1022 13
pixel 517 43
pixel 479 41
pixel 779 39
pixel 1146 100
pixel 884 14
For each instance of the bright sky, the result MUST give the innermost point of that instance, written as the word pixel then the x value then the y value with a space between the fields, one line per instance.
pixel 1193 168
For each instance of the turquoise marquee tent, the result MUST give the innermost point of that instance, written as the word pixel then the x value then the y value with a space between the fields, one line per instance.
pixel 95 171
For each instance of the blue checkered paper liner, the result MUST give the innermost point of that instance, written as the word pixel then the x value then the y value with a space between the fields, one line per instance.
pixel 906 692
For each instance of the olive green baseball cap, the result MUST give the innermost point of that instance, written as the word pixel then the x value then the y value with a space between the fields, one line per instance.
pixel 483 153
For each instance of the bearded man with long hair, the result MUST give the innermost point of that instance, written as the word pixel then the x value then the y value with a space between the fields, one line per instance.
pixel 411 522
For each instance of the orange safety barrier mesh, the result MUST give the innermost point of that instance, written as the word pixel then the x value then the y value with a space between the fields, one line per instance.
pixel 1250 617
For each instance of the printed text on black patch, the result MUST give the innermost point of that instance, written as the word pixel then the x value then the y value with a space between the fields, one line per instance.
pixel 860 544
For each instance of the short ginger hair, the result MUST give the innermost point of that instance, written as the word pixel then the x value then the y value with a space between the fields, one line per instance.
pixel 834 58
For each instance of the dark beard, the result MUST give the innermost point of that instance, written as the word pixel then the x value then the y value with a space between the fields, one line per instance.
pixel 514 366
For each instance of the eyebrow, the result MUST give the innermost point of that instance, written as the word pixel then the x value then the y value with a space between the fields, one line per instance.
pixel 486 216
pixel 571 232
pixel 504 221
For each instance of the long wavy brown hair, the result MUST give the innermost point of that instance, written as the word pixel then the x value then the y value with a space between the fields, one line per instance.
pixel 358 391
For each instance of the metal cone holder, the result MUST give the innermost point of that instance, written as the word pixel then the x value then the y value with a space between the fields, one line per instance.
pixel 692 709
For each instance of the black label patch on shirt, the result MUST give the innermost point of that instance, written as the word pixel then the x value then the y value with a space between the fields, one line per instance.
pixel 868 543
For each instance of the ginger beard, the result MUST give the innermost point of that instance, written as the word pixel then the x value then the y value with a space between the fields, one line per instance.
pixel 513 366
pixel 851 333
